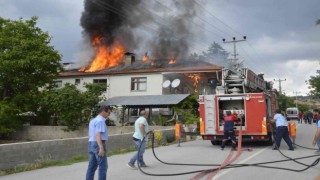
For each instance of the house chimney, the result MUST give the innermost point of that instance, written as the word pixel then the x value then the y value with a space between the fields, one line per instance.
pixel 129 58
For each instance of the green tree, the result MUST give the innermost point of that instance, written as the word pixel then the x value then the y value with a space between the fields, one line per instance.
pixel 314 85
pixel 285 102
pixel 71 107
pixel 188 108
pixel 216 54
pixel 27 63
pixel 314 81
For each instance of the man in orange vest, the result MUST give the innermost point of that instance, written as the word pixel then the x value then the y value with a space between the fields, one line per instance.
pixel 229 120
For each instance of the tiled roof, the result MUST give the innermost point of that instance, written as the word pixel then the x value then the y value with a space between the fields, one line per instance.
pixel 149 67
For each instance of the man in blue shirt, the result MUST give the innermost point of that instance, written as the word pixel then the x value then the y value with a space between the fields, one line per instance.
pixel 316 139
pixel 98 136
pixel 141 128
pixel 282 130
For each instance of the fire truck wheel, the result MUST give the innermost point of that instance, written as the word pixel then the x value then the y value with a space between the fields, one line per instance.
pixel 216 142
pixel 270 141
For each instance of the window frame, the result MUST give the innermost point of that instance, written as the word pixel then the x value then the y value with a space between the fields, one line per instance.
pixel 98 81
pixel 135 84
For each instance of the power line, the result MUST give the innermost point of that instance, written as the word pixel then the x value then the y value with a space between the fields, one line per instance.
pixel 217 18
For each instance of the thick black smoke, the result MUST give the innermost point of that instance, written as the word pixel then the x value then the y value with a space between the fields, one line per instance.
pixel 163 28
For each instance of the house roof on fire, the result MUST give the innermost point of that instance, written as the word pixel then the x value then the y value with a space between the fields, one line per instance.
pixel 146 100
pixel 149 67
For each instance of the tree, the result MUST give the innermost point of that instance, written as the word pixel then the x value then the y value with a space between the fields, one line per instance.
pixel 71 107
pixel 216 54
pixel 314 81
pixel 188 108
pixel 285 102
pixel 27 63
pixel 314 85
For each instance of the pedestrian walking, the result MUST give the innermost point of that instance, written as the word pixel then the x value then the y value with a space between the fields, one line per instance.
pixel 300 116
pixel 310 117
pixel 97 146
pixel 316 139
pixel 141 128
pixel 282 130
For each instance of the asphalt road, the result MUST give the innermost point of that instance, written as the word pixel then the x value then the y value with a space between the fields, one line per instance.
pixel 196 152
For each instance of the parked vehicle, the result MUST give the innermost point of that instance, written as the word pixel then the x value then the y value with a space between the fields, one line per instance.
pixel 292 113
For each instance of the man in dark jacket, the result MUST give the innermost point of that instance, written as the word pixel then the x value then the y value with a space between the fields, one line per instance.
pixel 229 120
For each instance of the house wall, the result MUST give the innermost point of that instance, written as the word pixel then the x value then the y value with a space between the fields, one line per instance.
pixel 120 85
pixel 83 80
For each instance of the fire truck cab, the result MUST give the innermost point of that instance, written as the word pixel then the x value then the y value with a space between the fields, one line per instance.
pixel 254 109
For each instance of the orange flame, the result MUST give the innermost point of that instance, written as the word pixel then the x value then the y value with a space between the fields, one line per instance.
pixel 195 78
pixel 106 56
pixel 145 58
pixel 172 60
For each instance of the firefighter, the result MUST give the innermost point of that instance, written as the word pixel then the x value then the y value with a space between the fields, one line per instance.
pixel 229 120
pixel 282 130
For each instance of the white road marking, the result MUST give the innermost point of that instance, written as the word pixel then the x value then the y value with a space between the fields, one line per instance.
pixel 241 162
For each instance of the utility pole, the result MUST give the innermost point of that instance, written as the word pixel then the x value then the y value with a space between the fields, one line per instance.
pixel 279 80
pixel 296 92
pixel 234 64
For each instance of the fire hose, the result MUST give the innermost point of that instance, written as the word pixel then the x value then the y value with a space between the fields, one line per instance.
pixel 261 164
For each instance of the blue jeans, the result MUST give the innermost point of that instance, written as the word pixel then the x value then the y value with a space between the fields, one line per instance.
pixel 135 156
pixel 318 142
pixel 95 160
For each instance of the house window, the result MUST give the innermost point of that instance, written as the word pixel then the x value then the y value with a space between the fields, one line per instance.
pixel 101 81
pixel 58 84
pixel 139 84
pixel 77 81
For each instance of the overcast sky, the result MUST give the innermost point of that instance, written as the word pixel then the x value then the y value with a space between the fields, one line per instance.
pixel 283 41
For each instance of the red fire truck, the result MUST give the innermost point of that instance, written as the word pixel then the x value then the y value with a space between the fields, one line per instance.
pixel 245 94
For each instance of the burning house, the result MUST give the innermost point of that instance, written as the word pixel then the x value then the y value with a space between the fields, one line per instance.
pixel 153 79
pixel 115 27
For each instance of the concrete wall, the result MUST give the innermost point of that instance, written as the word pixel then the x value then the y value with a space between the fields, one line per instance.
pixel 18 154
pixel 37 133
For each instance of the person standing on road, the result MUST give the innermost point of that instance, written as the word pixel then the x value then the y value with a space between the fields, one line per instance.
pixel 310 117
pixel 282 130
pixel 316 139
pixel 141 128
pixel 228 128
pixel 98 136
pixel 300 116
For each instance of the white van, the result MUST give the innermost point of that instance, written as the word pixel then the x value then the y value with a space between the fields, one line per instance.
pixel 292 113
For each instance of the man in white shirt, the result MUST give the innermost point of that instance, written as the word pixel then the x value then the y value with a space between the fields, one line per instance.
pixel 141 128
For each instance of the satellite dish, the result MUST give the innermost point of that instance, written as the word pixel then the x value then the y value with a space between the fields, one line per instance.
pixel 175 83
pixel 166 84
